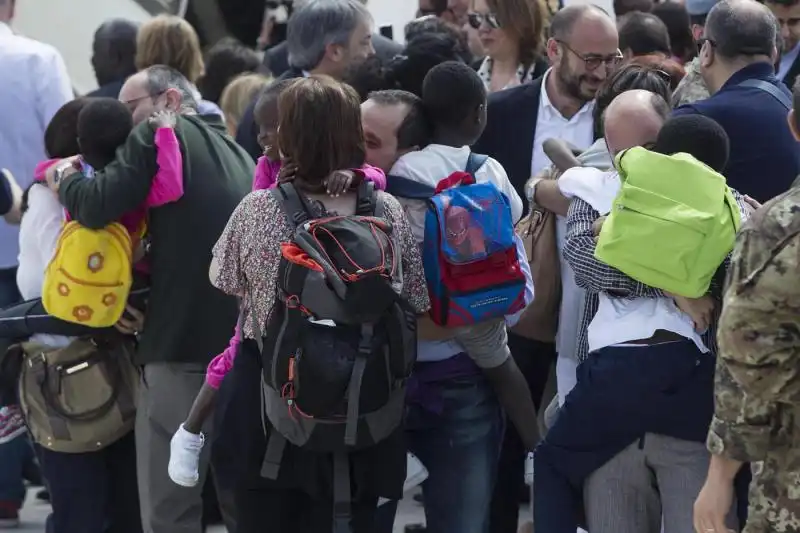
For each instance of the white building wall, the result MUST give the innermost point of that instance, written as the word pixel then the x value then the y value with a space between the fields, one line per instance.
pixel 69 25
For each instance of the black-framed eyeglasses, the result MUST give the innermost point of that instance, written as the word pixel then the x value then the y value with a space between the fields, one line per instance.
pixel 740 51
pixel 593 61
pixel 130 104
pixel 476 20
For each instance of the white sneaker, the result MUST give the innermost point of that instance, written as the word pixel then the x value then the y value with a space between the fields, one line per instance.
pixel 184 457
pixel 416 472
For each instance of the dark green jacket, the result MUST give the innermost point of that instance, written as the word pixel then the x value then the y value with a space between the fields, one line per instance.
pixel 188 320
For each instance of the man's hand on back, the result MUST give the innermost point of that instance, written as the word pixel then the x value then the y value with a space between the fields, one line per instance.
pixel 701 310
pixel 597 227
pixel 61 170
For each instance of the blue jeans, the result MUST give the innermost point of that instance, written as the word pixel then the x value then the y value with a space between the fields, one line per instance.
pixel 460 447
pixel 15 454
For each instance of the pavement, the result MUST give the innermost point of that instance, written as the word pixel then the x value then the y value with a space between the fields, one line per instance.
pixel 34 514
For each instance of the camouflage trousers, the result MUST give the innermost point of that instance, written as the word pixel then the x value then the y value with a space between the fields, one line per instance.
pixel 775 493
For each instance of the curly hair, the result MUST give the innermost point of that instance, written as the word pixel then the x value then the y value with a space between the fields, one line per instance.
pixel 171 41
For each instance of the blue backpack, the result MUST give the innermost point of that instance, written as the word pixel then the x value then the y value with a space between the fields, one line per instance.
pixel 470 257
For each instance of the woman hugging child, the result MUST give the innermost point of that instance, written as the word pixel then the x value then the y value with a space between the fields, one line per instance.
pixel 189 440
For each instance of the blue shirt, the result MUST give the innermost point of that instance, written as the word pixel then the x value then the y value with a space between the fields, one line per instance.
pixel 35 85
pixel 764 156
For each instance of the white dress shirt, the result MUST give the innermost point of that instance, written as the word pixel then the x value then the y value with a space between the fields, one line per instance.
pixel 34 86
pixel 577 130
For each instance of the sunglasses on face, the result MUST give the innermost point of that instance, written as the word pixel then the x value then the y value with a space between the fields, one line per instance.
pixel 476 20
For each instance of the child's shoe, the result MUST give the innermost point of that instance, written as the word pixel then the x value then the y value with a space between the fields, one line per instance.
pixel 184 457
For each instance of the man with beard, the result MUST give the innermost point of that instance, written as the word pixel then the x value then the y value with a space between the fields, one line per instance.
pixel 583 50
pixel 327 37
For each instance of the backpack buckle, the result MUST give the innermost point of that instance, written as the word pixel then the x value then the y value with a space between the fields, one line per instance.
pixel 292 301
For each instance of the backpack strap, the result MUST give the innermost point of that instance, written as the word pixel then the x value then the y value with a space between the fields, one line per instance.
pixel 293 204
pixel 767 87
pixel 367 200
pixel 475 162
pixel 356 379
pixel 402 187
pixel 341 493
pixel 276 444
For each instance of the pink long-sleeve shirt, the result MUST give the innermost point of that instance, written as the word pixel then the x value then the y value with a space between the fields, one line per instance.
pixel 266 177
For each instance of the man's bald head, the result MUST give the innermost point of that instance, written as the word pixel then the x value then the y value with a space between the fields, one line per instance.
pixel 114 50
pixel 566 19
pixel 634 118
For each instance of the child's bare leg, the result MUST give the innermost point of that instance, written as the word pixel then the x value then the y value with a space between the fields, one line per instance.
pixel 188 441
pixel 201 409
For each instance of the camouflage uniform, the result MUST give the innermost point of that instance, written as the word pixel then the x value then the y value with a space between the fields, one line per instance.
pixel 692 87
pixel 757 389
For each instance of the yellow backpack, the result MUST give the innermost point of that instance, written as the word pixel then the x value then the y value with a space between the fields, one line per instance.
pixel 88 280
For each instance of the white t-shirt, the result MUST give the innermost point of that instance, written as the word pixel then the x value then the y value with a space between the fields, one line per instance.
pixel 38 234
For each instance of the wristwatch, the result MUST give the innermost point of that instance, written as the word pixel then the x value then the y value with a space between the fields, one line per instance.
pixel 60 172
pixel 530 190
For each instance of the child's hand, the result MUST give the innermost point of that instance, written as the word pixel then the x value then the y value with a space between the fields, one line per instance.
pixel 700 310
pixel 340 181
pixel 597 227
pixel 287 172
pixel 163 119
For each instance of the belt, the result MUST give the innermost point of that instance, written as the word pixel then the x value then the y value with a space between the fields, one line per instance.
pixel 659 337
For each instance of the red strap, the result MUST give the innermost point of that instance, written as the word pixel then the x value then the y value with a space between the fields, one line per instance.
pixel 455 179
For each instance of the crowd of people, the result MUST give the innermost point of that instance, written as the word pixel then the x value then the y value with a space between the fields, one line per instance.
pixel 347 267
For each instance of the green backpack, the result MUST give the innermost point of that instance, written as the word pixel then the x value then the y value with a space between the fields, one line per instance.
pixel 672 223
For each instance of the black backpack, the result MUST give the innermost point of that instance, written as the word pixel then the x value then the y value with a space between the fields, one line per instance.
pixel 341 342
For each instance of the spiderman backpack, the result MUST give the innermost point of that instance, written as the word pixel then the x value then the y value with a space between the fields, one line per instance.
pixel 470 257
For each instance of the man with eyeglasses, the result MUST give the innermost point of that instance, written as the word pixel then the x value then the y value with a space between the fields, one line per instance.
pixel 188 320
pixel 583 50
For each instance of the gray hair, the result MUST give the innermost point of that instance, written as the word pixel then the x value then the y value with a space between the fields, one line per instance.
pixel 320 23
pixel 161 78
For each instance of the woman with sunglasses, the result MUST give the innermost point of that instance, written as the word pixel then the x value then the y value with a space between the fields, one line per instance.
pixel 512 35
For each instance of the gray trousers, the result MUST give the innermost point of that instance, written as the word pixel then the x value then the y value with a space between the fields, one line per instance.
pixel 165 397
pixel 650 484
